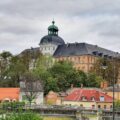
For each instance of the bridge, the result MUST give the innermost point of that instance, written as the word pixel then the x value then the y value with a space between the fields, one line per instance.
pixel 74 112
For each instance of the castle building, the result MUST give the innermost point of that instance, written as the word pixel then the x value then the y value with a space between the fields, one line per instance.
pixel 82 55
pixel 50 42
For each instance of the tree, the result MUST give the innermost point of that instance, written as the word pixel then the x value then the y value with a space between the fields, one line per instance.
pixel 117 104
pixel 30 56
pixel 50 85
pixel 11 76
pixel 31 86
pixel 93 80
pixel 5 55
pixel 113 66
pixel 43 63
pixel 5 58
pixel 21 116
pixel 16 69
pixel 82 78
pixel 66 75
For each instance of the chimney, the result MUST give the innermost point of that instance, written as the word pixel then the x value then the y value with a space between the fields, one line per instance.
pixel 81 85
pixel 72 86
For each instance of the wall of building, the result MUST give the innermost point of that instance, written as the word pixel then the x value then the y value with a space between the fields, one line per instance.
pixel 117 95
pixel 89 104
pixel 37 100
pixel 104 105
pixel 80 103
pixel 48 49
pixel 83 62
pixel 53 98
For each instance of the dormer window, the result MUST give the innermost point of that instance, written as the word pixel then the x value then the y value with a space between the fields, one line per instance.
pixel 105 56
pixel 100 54
pixel 102 99
pixel 92 98
pixel 83 98
pixel 95 53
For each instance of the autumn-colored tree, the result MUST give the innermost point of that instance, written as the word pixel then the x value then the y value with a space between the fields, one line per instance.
pixel 30 57
pixel 108 73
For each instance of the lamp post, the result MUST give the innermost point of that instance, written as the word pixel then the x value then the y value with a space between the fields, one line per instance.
pixel 104 67
pixel 113 89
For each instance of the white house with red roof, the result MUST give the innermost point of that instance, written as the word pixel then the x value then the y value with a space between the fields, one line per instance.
pixel 9 94
pixel 88 98
pixel 16 94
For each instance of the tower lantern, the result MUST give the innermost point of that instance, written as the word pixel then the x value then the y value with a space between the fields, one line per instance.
pixel 52 29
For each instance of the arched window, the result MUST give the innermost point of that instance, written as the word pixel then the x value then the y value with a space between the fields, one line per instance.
pixel 93 106
pixel 14 100
pixel 111 106
pixel 99 106
pixel 6 100
pixel 105 106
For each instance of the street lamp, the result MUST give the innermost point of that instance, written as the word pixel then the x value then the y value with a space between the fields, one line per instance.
pixel 104 67
pixel 113 89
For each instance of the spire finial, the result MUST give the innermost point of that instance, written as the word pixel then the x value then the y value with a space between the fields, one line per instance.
pixel 53 22
pixel 53 29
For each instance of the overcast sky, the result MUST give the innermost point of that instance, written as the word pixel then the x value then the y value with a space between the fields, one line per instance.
pixel 24 22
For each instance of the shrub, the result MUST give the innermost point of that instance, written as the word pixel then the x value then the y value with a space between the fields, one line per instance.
pixel 22 116
pixel 12 105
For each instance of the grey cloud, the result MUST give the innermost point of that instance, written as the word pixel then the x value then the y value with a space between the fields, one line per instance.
pixel 30 8
pixel 18 30
pixel 24 22
pixel 108 27
pixel 18 25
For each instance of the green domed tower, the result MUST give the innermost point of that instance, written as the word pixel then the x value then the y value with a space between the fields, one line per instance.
pixel 52 29
pixel 49 43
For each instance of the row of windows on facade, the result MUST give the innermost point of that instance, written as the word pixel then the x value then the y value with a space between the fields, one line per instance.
pixel 47 48
pixel 105 106
pixel 84 98
pixel 99 106
pixel 52 32
pixel 84 68
pixel 8 100
pixel 78 60
pixel 93 106
pixel 46 63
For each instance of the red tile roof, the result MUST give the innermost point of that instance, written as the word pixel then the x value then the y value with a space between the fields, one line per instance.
pixel 77 95
pixel 11 93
